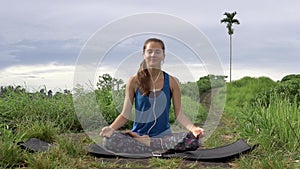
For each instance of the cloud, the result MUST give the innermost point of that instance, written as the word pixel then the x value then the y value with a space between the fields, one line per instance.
pixel 30 52
pixel 47 33
pixel 51 75
pixel 6 56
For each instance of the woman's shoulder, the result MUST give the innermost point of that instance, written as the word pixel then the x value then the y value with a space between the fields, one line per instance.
pixel 174 81
pixel 132 81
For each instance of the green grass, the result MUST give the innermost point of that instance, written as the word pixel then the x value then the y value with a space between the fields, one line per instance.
pixel 252 112
pixel 272 122
pixel 43 130
pixel 10 153
pixel 276 128
pixel 279 122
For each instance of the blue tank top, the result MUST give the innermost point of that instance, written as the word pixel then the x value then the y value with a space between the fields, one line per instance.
pixel 152 111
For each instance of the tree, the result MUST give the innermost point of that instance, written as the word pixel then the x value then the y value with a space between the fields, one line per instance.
pixel 106 82
pixel 229 20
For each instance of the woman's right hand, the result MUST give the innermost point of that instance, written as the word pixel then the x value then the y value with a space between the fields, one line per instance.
pixel 107 131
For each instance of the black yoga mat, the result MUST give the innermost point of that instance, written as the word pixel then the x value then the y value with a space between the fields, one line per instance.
pixel 218 154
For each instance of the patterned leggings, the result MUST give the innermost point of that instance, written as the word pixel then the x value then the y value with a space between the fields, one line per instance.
pixel 176 142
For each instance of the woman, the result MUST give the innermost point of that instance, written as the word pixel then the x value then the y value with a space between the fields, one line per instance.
pixel 152 90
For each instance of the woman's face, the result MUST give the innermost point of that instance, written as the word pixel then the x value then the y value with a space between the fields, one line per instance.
pixel 154 55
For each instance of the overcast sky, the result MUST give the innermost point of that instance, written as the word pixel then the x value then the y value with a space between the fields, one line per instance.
pixel 40 41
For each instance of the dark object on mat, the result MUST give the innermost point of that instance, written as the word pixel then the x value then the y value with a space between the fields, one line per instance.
pixel 35 144
pixel 218 154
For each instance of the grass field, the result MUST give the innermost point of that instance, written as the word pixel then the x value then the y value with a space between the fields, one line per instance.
pixel 259 110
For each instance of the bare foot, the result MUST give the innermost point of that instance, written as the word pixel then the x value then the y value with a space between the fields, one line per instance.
pixel 145 139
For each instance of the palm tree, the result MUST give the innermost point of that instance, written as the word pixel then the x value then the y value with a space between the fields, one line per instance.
pixel 229 20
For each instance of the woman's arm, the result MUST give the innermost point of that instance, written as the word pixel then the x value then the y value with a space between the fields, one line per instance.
pixel 179 114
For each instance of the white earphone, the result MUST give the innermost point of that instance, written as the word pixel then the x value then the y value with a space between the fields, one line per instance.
pixel 154 102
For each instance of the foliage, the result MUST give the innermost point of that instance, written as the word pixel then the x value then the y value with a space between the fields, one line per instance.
pixel 265 116
pixel 43 130
pixel 108 97
pixel 259 110
pixel 229 20
pixel 208 82
pixel 106 82
pixel 291 77
pixel 106 105
pixel 190 89
pixel 17 108
pixel 279 122
pixel 244 91
pixel 25 114
pixel 10 154
pixel 288 88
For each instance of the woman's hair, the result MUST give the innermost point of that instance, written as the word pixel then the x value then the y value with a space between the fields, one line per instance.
pixel 143 75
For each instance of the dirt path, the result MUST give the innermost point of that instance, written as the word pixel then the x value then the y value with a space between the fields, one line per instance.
pixel 206 98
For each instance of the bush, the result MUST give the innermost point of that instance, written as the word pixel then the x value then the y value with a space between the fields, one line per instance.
pixel 210 81
pixel 245 91
pixel 288 88
pixel 106 105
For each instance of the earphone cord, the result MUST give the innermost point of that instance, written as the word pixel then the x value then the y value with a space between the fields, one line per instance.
pixel 154 114
pixel 154 102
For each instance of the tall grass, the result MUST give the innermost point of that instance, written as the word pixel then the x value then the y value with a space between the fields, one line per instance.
pixel 266 118
pixel 26 108
pixel 10 154
pixel 24 115
pixel 276 128
pixel 272 121
pixel 244 91
pixel 277 124
pixel 43 130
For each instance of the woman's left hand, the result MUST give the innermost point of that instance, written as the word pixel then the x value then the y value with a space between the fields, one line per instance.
pixel 197 131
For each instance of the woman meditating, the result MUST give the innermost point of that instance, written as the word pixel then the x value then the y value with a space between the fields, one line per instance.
pixel 152 91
